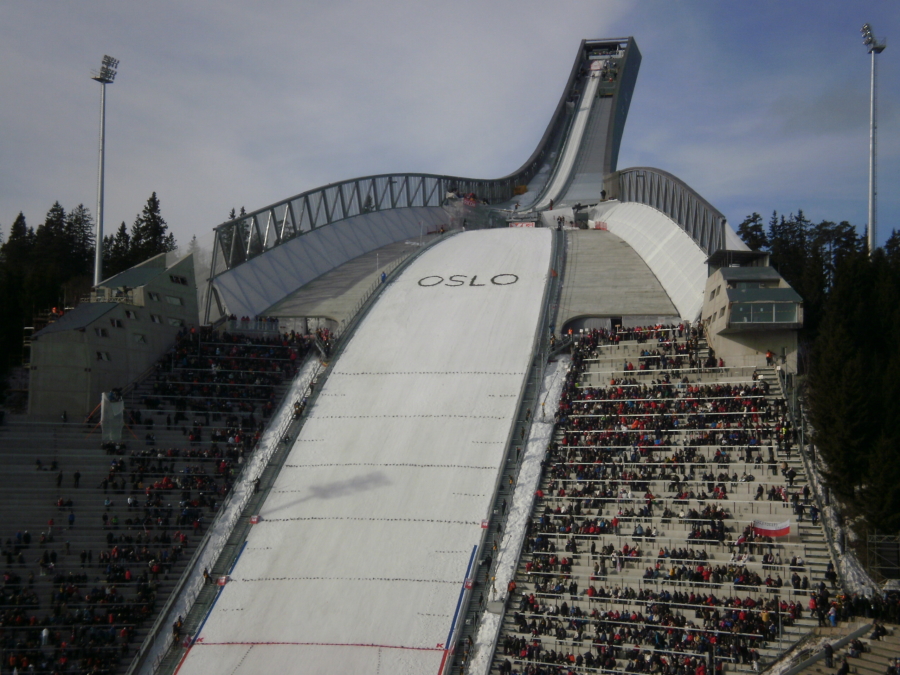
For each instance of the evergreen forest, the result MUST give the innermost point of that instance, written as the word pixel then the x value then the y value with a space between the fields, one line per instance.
pixel 849 355
pixel 52 265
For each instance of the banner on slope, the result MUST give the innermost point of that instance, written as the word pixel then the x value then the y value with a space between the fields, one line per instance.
pixel 772 529
pixel 528 224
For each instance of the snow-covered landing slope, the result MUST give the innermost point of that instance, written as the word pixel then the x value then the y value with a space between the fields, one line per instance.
pixel 365 539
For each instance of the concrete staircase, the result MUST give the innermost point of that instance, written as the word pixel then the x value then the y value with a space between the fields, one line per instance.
pixel 874 660
pixel 563 639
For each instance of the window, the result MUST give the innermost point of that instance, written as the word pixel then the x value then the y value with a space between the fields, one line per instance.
pixel 712 294
pixel 764 312
pixel 153 296
pixel 101 332
pixel 131 315
pixel 785 312
pixel 116 323
pixel 103 356
pixel 756 284
pixel 174 300
pixel 139 339
pixel 175 322
pixel 175 279
pixel 721 312
pixel 156 318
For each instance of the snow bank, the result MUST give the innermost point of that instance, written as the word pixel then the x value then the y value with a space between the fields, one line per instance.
pixel 520 512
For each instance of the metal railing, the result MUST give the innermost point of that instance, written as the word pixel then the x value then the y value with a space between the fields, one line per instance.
pixel 364 298
pixel 807 456
pixel 252 326
pixel 108 295
pixel 529 405
pixel 246 237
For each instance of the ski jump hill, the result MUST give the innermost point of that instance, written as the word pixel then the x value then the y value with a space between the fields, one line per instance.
pixel 365 541
pixel 364 550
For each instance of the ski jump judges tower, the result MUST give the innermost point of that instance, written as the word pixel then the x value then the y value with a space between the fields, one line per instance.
pixel 370 533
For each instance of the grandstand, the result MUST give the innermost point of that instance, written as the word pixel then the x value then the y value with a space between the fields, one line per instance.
pixel 425 423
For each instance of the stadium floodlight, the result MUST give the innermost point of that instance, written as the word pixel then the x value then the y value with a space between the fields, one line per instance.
pixel 104 76
pixel 874 47
pixel 107 72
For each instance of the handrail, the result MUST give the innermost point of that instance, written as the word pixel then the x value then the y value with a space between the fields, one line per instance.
pixel 819 655
pixel 628 622
pixel 150 641
pixel 812 476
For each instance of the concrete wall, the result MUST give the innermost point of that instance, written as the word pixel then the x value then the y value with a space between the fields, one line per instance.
pixel 676 259
pixel 60 376
pixel 749 348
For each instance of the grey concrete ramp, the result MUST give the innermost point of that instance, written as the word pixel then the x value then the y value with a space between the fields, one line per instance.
pixel 605 277
pixel 586 181
pixel 336 294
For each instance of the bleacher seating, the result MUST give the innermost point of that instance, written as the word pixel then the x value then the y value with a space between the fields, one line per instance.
pixel 641 554
pixel 89 561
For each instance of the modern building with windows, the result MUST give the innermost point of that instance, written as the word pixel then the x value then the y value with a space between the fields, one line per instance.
pixel 127 323
pixel 749 309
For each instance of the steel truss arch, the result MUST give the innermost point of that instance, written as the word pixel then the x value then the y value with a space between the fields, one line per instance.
pixel 664 192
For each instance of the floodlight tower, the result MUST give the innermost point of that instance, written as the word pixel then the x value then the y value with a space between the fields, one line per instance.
pixel 874 48
pixel 105 76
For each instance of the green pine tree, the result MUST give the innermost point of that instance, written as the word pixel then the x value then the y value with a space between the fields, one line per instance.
pixel 149 233
pixel 752 232
pixel 117 252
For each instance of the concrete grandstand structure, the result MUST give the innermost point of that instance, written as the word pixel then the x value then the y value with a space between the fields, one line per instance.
pixel 392 366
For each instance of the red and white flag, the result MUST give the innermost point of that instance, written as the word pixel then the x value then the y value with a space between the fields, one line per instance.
pixel 772 529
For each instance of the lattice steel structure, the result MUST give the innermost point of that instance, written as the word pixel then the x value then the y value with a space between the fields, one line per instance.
pixel 246 237
pixel 664 192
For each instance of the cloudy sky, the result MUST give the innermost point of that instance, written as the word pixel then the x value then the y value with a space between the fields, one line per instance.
pixel 759 106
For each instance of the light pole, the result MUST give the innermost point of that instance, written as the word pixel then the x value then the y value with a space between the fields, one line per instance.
pixel 105 76
pixel 874 48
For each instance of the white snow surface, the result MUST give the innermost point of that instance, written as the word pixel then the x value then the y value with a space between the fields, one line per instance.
pixel 520 512
pixel 573 145
pixel 360 557
pixel 222 526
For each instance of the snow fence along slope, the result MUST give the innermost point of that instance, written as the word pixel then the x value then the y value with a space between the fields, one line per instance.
pixel 358 562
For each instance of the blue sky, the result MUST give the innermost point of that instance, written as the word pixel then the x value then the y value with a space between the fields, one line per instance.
pixel 758 106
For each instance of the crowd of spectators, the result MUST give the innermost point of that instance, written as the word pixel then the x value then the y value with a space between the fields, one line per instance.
pixel 637 458
pixel 224 373
pixel 67 609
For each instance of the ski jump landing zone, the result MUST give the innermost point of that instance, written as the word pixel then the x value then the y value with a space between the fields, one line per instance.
pixel 365 540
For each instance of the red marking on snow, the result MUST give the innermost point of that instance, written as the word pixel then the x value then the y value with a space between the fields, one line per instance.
pixel 443 660
pixel 315 644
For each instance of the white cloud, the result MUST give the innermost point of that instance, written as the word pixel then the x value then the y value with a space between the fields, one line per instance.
pixel 222 104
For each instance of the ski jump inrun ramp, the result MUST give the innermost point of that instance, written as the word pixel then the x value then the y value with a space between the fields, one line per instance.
pixel 359 561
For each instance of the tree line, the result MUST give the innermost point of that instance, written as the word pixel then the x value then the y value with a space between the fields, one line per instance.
pixel 850 354
pixel 52 265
